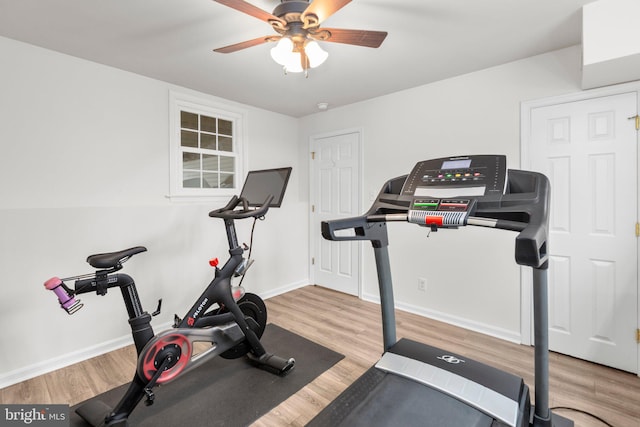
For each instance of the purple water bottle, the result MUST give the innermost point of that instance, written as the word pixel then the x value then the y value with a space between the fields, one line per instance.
pixel 68 302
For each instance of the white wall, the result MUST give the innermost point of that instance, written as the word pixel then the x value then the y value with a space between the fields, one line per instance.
pixel 84 157
pixel 83 169
pixel 472 277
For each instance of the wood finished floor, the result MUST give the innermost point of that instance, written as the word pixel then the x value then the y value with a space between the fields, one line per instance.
pixel 352 327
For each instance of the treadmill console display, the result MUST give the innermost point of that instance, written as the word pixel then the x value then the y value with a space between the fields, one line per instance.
pixel 444 191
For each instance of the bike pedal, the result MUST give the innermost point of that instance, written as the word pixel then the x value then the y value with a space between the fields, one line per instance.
pixel 150 397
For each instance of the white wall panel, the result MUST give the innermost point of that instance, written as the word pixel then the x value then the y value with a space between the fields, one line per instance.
pixel 560 174
pixel 326 188
pixel 345 267
pixel 603 281
pixel 560 293
pixel 601 126
pixel 559 130
pixel 346 194
pixel 602 174
pixel 84 169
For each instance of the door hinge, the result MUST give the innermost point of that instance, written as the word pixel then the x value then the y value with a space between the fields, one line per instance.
pixel 638 336
pixel 313 262
pixel 313 209
pixel 637 119
pixel 313 155
pixel 637 229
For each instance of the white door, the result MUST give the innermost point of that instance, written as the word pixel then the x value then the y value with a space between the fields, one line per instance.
pixel 588 149
pixel 335 194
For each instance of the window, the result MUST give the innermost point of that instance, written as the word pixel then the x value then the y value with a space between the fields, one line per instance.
pixel 206 148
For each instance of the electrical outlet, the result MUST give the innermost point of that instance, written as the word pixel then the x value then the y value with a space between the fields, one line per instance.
pixel 422 284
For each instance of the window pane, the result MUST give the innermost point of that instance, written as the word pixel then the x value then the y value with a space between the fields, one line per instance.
pixel 209 180
pixel 191 161
pixel 225 143
pixel 189 139
pixel 191 179
pixel 225 127
pixel 227 164
pixel 205 150
pixel 188 120
pixel 209 163
pixel 208 124
pixel 226 180
pixel 207 141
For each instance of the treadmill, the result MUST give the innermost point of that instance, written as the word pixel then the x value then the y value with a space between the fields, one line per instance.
pixel 415 384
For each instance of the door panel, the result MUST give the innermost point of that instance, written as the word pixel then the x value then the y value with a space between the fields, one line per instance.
pixel 336 182
pixel 588 149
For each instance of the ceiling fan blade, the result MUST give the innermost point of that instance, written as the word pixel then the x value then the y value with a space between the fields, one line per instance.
pixel 243 45
pixel 324 8
pixel 356 37
pixel 250 9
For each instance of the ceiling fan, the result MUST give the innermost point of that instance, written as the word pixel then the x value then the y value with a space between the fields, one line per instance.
pixel 297 23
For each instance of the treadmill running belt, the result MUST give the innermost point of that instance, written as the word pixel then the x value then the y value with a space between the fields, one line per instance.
pixel 381 399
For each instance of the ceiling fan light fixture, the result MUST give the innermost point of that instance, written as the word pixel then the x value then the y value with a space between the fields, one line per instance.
pixel 315 53
pixel 294 65
pixel 287 54
pixel 297 23
pixel 284 55
pixel 282 51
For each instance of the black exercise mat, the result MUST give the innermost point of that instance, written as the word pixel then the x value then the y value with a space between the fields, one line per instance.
pixel 228 392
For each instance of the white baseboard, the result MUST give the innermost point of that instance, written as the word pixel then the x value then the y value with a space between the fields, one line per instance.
pixel 40 368
pixel 452 320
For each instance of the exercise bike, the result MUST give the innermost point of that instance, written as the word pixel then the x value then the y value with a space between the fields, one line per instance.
pixel 225 316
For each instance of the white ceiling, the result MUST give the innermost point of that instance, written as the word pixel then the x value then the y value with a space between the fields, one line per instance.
pixel 172 40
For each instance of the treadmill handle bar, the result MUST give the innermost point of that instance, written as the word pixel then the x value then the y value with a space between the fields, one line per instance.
pixel 502 224
pixel 472 220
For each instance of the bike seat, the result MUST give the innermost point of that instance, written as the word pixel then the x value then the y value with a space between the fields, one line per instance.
pixel 112 259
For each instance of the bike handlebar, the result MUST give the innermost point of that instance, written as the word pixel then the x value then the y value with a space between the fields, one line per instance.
pixel 229 211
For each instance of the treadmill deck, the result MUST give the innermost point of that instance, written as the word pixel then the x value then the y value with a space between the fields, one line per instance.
pixel 414 384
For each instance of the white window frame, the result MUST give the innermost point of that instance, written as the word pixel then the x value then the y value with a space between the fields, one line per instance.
pixel 202 105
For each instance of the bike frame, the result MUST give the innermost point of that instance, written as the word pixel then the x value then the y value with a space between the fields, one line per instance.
pixel 218 291
pixel 165 356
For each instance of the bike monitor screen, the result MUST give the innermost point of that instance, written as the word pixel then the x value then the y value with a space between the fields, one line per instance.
pixel 260 184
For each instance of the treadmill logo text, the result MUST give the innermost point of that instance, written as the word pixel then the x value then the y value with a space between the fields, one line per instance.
pixel 451 359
